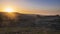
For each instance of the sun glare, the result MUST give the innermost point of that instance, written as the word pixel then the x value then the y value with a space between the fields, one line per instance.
pixel 8 10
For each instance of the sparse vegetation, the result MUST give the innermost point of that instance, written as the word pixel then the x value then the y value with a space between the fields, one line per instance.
pixel 28 24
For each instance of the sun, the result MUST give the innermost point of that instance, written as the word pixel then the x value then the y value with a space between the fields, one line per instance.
pixel 9 10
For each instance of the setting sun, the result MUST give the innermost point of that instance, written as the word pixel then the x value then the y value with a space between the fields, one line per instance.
pixel 8 10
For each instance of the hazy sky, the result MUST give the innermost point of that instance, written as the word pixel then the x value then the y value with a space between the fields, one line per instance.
pixel 35 6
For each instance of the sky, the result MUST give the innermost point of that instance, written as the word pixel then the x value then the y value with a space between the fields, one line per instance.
pixel 45 7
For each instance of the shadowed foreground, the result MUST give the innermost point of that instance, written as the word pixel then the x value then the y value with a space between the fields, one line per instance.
pixel 29 24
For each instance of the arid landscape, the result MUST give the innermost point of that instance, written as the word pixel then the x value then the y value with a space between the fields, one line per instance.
pixel 29 16
pixel 29 24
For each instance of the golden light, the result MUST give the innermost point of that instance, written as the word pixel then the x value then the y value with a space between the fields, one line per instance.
pixel 9 10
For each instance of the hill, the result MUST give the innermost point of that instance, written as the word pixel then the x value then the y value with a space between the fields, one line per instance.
pixel 30 20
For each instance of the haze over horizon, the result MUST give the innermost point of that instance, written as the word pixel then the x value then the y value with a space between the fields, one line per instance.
pixel 44 7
